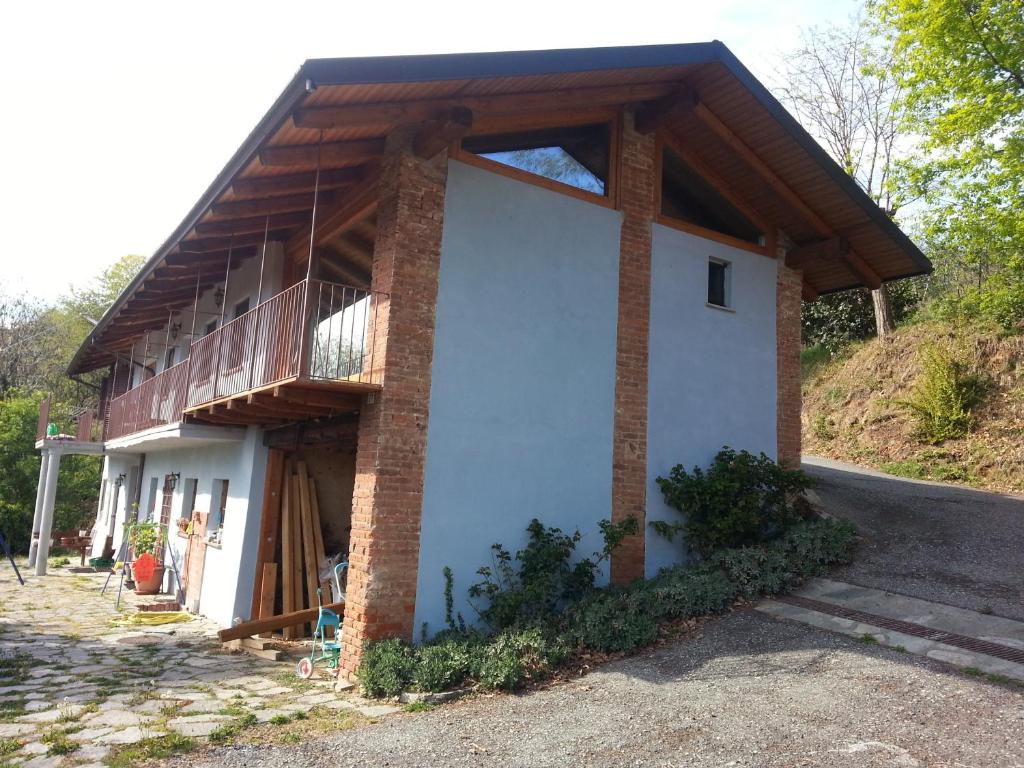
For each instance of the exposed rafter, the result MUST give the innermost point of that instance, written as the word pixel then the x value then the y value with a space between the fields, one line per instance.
pixel 249 226
pixel 267 205
pixel 255 186
pixel 333 155
pixel 653 114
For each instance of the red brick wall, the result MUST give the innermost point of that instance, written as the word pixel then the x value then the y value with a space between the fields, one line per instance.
pixel 629 453
pixel 387 501
pixel 787 339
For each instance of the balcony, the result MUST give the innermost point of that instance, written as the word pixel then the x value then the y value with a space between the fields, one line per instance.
pixel 301 354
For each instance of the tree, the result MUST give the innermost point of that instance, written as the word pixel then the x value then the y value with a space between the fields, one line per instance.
pixel 839 85
pixel 960 64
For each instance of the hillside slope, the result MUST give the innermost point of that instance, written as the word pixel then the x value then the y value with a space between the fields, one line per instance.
pixel 852 409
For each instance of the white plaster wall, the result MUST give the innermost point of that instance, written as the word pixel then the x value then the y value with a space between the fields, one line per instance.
pixel 712 375
pixel 113 465
pixel 228 571
pixel 523 378
pixel 243 282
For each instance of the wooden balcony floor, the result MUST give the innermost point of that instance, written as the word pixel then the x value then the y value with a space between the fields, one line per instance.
pixel 283 402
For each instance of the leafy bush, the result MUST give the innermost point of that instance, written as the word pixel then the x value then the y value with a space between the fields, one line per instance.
pixel 835 320
pixel 616 619
pixel 740 500
pixel 387 667
pixel 947 389
pixel 541 579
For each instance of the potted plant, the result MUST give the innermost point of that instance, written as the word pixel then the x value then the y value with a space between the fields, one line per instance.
pixel 147 547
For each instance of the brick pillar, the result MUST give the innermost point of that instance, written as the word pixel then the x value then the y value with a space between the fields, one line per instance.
pixel 388 496
pixel 787 341
pixel 629 452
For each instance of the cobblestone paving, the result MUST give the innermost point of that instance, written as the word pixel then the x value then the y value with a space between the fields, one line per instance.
pixel 74 681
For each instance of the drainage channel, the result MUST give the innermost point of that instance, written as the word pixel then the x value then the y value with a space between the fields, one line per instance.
pixel 1004 652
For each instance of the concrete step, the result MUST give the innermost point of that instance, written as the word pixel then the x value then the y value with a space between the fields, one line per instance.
pixel 956 636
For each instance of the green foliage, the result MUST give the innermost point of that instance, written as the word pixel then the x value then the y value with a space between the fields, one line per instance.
pixel 946 391
pixel 19 473
pixel 145 537
pixel 823 428
pixel 837 319
pixel 387 668
pixel 740 500
pixel 612 620
pixel 542 578
pixel 813 359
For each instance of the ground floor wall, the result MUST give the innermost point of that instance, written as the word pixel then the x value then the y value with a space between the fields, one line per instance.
pixel 227 574
pixel 712 371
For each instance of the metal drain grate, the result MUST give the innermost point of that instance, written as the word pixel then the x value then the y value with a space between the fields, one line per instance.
pixel 1004 652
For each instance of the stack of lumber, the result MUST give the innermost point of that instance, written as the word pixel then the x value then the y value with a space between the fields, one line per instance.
pixel 302 543
pixel 292 586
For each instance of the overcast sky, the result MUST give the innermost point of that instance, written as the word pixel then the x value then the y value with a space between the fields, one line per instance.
pixel 117 115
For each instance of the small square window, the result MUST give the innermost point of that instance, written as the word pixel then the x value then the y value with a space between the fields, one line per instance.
pixel 718 283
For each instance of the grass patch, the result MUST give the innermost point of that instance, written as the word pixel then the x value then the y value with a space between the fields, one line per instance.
pixel 280 720
pixel 868 639
pixel 155 748
pixel 992 677
pixel 812 360
pixel 58 743
pixel 9 746
pixel 229 731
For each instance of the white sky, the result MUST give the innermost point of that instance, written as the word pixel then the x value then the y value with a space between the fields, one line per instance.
pixel 117 115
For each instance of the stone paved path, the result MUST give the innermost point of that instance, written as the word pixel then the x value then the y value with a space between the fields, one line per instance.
pixel 74 681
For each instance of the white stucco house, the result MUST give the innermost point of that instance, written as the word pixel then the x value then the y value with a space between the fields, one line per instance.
pixel 465 291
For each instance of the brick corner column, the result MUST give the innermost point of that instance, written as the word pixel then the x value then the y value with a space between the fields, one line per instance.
pixel 787 341
pixel 629 450
pixel 388 497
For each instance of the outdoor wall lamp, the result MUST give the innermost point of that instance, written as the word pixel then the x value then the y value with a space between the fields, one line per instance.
pixel 172 480
pixel 119 480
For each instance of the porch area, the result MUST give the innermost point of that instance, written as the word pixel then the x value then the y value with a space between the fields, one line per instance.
pixel 306 353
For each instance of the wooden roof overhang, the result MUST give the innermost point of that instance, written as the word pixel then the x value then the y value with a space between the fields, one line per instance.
pixel 338 112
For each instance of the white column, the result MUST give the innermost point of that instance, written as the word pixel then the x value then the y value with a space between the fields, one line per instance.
pixel 34 543
pixel 46 520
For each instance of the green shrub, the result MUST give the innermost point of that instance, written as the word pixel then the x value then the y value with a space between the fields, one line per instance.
pixel 740 500
pixel 387 668
pixel 946 391
pixel 754 571
pixel 513 658
pixel 613 621
pixel 445 666
pixel 542 579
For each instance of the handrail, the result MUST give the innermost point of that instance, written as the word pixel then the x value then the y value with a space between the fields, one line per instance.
pixel 260 348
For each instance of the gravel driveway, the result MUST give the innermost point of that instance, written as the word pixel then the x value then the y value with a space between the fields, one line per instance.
pixel 750 691
pixel 927 540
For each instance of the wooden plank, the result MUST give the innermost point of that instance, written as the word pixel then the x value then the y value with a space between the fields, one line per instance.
pixel 330 155
pixel 296 182
pixel 268 205
pixel 297 577
pixel 384 114
pixel 270 524
pixel 268 590
pixel 318 536
pixel 281 621
pixel 258 224
pixel 308 537
pixel 652 114
pixel 287 550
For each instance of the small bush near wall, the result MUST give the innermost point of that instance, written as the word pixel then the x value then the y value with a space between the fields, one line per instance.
pixel 612 620
pixel 741 499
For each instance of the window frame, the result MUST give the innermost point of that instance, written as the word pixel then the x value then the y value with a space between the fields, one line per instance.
pixel 727 273
pixel 664 141
pixel 610 116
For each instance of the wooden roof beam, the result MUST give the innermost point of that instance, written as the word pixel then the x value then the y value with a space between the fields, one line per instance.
pixel 652 114
pixel 268 205
pixel 257 224
pixel 854 263
pixel 332 178
pixel 383 114
pixel 437 134
pixel 332 155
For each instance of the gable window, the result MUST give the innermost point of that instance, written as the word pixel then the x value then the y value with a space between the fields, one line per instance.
pixel 687 197
pixel 719 283
pixel 577 156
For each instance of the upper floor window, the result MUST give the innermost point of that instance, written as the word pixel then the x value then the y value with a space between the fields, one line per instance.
pixel 686 196
pixel 241 308
pixel 578 156
pixel 719 283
